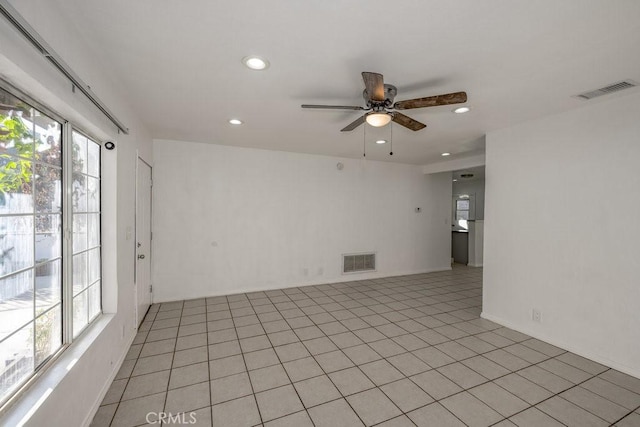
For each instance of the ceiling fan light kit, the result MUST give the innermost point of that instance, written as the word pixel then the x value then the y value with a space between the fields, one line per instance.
pixel 378 119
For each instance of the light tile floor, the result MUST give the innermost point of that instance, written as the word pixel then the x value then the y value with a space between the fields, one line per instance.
pixel 399 351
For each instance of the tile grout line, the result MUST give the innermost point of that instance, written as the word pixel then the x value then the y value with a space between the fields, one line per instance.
pixel 326 336
pixel 209 380
pixel 402 413
pixel 310 355
pixel 343 397
pixel 465 390
pixel 312 293
pixel 244 361
pixel 630 413
pixel 551 397
pixel 173 356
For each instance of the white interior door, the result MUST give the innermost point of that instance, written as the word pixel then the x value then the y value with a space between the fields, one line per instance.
pixel 143 240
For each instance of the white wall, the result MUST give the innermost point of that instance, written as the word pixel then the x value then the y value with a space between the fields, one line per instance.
pixel 476 243
pixel 562 230
pixel 78 389
pixel 229 220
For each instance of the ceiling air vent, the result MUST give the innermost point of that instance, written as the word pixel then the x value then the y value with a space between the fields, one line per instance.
pixel 626 84
pixel 355 263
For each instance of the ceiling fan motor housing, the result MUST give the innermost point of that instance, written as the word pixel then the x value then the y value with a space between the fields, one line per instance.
pixel 390 92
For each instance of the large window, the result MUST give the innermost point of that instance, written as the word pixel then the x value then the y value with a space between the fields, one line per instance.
pixel 49 287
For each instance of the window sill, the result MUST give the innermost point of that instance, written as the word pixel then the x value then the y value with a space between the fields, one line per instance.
pixel 18 411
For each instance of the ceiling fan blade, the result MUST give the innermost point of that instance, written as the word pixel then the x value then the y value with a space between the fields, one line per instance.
pixel 407 122
pixel 374 83
pixel 432 101
pixel 354 124
pixel 333 107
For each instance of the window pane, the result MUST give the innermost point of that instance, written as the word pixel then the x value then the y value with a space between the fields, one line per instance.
pixel 16 360
pixel 79 192
pixel 48 137
pixel 48 285
pixel 48 237
pixel 94 265
pixel 48 183
pixel 462 205
pixel 16 243
pixel 462 215
pixel 93 161
pixel 94 300
pixel 79 153
pixel 16 302
pixel 93 194
pixel 79 232
pixel 16 126
pixel 15 184
pixel 48 334
pixel 80 315
pixel 80 281
pixel 94 230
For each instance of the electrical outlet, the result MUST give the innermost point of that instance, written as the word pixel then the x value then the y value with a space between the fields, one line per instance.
pixel 305 271
pixel 536 316
pixel 320 271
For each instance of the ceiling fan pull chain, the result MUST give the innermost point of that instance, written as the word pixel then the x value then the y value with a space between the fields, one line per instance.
pixel 364 141
pixel 391 140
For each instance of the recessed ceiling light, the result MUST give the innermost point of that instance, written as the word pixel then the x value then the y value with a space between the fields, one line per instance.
pixel 255 62
pixel 446 154
pixel 381 141
pixel 235 122
pixel 461 110
pixel 455 180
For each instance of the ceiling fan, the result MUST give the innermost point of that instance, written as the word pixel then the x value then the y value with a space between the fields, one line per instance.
pixel 379 98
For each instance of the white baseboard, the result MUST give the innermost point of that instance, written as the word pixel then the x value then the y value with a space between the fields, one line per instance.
pixel 105 387
pixel 474 265
pixel 341 279
pixel 577 350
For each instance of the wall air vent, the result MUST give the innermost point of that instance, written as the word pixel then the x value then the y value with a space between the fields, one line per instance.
pixel 616 87
pixel 355 263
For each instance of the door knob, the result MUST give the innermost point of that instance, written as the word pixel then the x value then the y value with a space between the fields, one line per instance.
pixel 141 256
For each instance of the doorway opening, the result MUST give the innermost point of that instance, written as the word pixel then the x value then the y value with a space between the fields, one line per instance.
pixel 467 216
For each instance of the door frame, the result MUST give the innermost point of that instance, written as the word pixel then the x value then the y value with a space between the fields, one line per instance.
pixel 135 241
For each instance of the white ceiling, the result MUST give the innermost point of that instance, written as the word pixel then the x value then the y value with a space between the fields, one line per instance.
pixel 180 63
